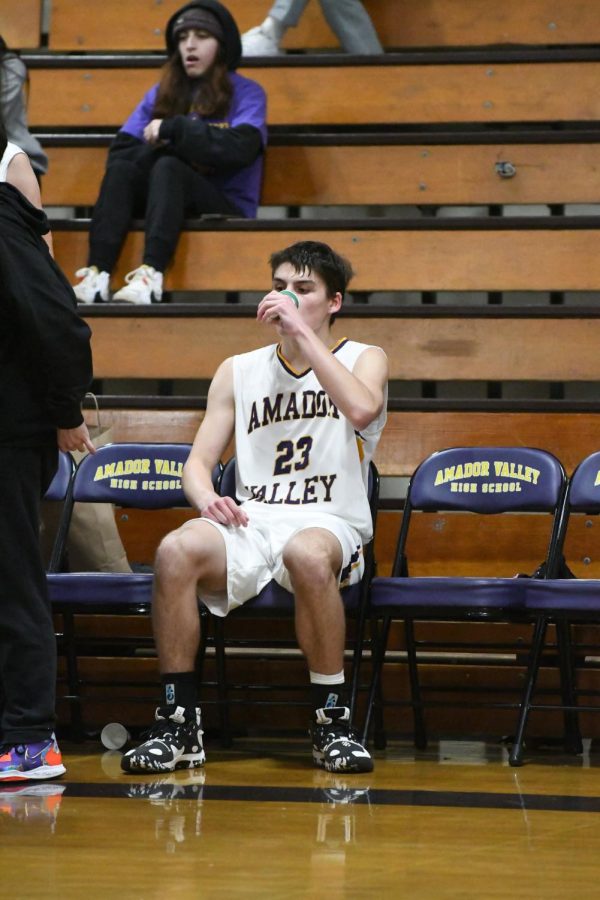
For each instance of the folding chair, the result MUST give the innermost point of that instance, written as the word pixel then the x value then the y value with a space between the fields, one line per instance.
pixel 59 491
pixel 562 601
pixel 133 475
pixel 480 480
pixel 275 602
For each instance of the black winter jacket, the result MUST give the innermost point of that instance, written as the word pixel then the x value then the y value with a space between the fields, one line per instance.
pixel 45 356
pixel 201 145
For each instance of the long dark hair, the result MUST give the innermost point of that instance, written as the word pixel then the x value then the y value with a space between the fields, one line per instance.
pixel 178 94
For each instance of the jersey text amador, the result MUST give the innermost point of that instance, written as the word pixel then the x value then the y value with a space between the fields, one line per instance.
pixel 294 449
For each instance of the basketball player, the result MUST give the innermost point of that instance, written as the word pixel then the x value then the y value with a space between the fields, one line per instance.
pixel 307 413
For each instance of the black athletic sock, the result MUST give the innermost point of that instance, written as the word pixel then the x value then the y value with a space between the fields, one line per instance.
pixel 326 695
pixel 180 689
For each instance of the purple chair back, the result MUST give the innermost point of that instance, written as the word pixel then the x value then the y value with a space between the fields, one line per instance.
pixel 584 490
pixel 488 480
pixel 144 476
pixel 60 483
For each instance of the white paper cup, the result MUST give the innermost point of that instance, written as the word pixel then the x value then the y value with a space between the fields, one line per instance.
pixel 114 736
pixel 293 296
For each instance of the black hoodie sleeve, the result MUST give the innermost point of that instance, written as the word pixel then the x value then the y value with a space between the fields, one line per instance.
pixel 125 146
pixel 49 342
pixel 202 144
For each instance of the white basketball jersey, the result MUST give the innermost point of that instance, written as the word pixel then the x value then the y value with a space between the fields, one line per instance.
pixel 294 449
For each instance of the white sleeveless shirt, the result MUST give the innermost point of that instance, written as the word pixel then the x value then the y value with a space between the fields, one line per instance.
pixel 294 450
pixel 11 151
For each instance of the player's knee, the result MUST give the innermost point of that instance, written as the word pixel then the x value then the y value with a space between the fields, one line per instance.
pixel 308 561
pixel 191 553
pixel 169 552
pixel 177 554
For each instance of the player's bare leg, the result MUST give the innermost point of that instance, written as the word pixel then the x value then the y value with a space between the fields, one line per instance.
pixel 313 558
pixel 189 559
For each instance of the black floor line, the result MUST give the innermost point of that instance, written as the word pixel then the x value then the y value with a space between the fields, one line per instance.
pixel 357 793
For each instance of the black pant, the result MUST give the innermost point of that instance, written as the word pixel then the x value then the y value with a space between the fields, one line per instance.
pixel 27 640
pixel 164 195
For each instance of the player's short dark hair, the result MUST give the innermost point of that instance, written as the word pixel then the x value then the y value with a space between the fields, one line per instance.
pixel 314 256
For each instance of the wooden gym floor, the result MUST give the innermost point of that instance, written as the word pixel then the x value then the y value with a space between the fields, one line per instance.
pixel 259 821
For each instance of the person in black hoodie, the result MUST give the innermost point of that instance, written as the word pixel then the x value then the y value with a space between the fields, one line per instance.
pixel 45 370
pixel 193 145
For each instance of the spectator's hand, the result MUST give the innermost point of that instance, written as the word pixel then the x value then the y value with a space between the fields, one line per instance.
pixel 75 439
pixel 151 131
pixel 224 510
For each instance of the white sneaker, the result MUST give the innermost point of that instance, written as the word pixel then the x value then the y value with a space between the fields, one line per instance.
pixel 93 286
pixel 256 43
pixel 143 285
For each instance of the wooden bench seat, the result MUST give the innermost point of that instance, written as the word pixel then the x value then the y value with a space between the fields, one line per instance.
pixel 102 91
pixel 541 254
pixel 179 344
pixel 377 171
pixel 139 24
pixel 21 24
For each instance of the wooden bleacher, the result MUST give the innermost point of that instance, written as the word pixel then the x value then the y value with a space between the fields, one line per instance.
pixel 21 24
pixel 541 254
pixel 427 343
pixel 516 86
pixel 426 127
pixel 375 169
pixel 139 24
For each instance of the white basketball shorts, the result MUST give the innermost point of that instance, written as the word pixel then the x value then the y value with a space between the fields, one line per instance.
pixel 254 552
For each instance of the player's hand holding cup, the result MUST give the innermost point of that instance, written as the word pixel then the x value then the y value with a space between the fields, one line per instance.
pixel 271 309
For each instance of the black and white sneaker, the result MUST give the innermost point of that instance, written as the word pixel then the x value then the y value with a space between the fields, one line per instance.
pixel 335 745
pixel 344 795
pixel 169 788
pixel 173 742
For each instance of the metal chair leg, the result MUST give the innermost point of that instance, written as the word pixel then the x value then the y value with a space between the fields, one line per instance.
pixel 357 655
pixel 420 737
pixel 76 728
pixel 201 655
pixel 573 743
pixel 537 645
pixel 378 657
pixel 222 701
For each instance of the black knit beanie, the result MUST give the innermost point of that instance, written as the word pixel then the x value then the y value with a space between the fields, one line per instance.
pixel 220 17
pixel 201 19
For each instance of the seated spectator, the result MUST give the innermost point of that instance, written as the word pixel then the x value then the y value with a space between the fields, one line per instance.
pixel 348 19
pixel 13 80
pixel 194 145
